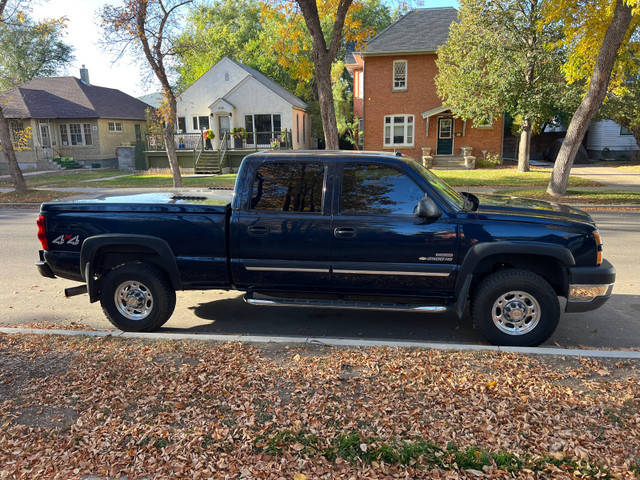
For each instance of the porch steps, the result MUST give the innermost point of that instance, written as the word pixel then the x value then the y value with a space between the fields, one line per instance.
pixel 208 162
pixel 446 162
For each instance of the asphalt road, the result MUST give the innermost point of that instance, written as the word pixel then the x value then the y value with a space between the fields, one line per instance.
pixel 26 297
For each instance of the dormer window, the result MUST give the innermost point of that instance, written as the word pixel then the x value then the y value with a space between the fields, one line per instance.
pixel 226 77
pixel 400 75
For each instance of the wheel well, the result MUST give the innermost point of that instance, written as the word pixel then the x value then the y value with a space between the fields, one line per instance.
pixel 109 257
pixel 551 269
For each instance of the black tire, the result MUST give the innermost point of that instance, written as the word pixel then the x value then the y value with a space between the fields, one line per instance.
pixel 515 308
pixel 137 297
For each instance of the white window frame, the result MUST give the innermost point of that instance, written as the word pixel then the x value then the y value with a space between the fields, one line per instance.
pixel 483 126
pixel 115 127
pixel 399 83
pixel 409 130
pixel 83 134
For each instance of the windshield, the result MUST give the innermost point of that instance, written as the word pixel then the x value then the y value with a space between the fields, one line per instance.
pixel 448 193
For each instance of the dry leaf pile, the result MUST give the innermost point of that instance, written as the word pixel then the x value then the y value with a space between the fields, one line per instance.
pixel 110 407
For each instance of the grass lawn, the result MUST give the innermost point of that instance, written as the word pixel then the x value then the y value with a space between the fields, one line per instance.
pixel 165 181
pixel 506 177
pixel 71 178
pixel 595 197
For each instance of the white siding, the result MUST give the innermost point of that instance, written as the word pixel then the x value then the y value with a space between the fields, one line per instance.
pixel 606 134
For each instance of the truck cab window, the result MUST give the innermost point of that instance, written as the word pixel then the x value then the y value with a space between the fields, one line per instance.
pixel 369 189
pixel 288 187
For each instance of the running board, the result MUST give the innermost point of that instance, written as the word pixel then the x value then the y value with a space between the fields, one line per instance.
pixel 322 303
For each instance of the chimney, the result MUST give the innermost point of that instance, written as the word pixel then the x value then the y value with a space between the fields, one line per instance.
pixel 84 75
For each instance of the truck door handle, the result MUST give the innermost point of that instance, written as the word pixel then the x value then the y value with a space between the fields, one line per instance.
pixel 258 231
pixel 345 232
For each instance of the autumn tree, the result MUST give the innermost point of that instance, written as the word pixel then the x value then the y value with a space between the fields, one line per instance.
pixel 498 59
pixel 29 50
pixel 151 27
pixel 599 34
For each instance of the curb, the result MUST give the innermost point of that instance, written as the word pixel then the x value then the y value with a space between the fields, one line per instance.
pixel 332 341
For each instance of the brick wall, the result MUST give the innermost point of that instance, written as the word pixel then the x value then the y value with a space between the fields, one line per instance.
pixel 420 96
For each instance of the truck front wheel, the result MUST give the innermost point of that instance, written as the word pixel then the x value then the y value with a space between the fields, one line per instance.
pixel 516 308
pixel 137 297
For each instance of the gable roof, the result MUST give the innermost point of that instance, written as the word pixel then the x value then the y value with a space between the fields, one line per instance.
pixel 419 31
pixel 271 85
pixel 69 97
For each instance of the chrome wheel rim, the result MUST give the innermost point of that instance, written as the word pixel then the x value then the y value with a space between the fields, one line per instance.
pixel 133 300
pixel 516 313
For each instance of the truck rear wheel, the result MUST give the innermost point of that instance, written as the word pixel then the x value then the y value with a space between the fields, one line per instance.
pixel 516 308
pixel 137 297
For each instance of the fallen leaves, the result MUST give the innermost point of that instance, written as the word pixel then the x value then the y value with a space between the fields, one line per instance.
pixel 155 410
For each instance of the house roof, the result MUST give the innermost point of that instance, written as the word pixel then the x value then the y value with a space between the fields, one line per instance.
pixel 69 97
pixel 419 31
pixel 270 84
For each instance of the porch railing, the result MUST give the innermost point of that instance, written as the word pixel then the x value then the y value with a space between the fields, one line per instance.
pixel 251 141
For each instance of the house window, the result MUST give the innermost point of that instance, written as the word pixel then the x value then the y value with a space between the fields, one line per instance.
pixel 266 127
pixel 358 83
pixel 398 131
pixel 86 129
pixel 625 131
pixel 486 124
pixel 76 134
pixel 182 125
pixel 115 126
pixel 138 129
pixel 17 128
pixel 297 128
pixel 400 75
pixel 304 128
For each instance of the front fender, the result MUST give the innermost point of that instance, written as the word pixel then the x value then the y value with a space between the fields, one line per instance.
pixel 480 251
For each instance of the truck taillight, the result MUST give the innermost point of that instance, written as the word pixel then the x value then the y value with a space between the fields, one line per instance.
pixel 42 233
pixel 598 238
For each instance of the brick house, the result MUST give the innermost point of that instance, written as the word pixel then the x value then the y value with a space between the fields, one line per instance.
pixel 397 100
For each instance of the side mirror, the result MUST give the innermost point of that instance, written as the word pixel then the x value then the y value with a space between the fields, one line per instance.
pixel 427 208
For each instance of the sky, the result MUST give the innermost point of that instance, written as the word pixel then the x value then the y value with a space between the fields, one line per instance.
pixel 84 33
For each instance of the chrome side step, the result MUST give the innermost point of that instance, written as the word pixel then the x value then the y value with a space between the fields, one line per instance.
pixel 349 304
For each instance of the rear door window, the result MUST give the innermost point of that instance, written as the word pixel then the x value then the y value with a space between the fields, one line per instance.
pixel 288 187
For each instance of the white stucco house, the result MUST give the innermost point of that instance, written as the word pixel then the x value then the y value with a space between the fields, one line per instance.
pixel 231 95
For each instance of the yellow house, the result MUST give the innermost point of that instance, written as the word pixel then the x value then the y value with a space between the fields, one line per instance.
pixel 69 117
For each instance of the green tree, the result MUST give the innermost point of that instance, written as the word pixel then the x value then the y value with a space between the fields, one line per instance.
pixel 29 50
pixel 32 49
pixel 151 26
pixel 498 59
pixel 599 34
pixel 212 31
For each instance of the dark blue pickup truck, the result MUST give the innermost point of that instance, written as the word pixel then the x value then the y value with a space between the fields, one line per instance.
pixel 334 229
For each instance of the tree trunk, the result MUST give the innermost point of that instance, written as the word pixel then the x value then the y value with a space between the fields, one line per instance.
pixel 524 146
pixel 593 99
pixel 9 153
pixel 169 140
pixel 327 108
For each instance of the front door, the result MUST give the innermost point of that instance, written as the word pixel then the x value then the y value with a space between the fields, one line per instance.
pixel 45 140
pixel 445 136
pixel 379 245
pixel 224 126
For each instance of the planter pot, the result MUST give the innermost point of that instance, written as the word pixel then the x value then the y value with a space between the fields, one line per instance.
pixel 226 170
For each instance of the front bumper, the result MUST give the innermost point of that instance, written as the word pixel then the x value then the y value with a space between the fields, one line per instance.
pixel 589 287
